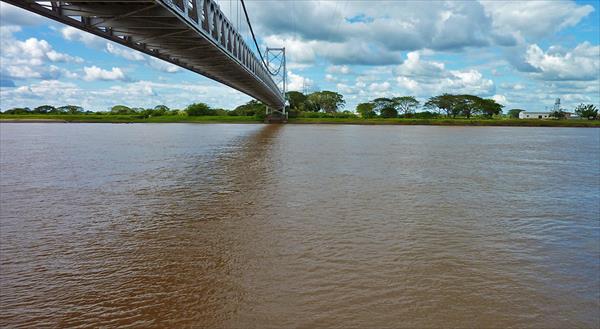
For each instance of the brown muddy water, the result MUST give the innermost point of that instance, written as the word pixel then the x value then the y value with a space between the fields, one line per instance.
pixel 298 226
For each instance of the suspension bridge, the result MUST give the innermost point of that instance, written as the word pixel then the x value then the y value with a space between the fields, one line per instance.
pixel 193 34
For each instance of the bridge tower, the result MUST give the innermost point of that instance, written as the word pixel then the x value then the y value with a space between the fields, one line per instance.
pixel 276 66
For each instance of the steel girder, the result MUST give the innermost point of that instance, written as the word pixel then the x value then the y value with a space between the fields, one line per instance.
pixel 193 34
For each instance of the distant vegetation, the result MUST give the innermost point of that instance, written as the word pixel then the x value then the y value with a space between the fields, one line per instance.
pixel 588 111
pixel 316 105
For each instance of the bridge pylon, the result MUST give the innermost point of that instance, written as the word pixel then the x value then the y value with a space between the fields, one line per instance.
pixel 276 66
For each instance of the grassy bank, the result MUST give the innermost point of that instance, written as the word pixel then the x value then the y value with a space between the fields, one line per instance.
pixel 126 118
pixel 250 119
pixel 451 122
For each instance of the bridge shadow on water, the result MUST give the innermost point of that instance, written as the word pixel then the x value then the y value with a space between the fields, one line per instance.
pixel 200 237
pixel 164 245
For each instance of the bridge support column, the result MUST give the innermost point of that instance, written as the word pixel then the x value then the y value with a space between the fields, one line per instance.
pixel 276 116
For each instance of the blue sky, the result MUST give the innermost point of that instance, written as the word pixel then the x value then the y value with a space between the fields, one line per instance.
pixel 523 54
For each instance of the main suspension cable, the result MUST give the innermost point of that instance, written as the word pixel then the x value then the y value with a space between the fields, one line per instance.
pixel 256 43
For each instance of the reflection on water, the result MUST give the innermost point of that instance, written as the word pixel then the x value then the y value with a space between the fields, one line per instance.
pixel 182 225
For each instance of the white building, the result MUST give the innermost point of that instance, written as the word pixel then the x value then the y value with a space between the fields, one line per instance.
pixel 534 115
pixel 543 115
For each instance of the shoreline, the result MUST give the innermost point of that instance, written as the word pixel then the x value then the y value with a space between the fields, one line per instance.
pixel 319 121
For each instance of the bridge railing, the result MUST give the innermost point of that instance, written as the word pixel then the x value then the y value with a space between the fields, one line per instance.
pixel 207 17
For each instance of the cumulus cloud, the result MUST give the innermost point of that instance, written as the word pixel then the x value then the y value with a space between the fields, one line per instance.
pixel 379 87
pixel 299 83
pixel 134 94
pixel 120 51
pixel 30 95
pixel 500 99
pixel 516 17
pixel 423 77
pixel 136 56
pixel 160 65
pixel 331 31
pixel 413 66
pixel 72 34
pixel 33 52
pixel 580 63
pixel 94 73
pixel 302 53
pixel 31 58
pixel 416 76
pixel 338 69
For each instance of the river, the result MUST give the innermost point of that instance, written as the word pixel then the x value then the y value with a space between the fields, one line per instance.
pixel 304 226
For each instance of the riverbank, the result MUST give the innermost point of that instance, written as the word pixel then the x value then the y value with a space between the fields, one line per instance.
pixel 451 122
pixel 94 118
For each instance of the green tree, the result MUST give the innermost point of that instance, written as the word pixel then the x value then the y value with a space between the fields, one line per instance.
pixel 381 103
pixel 466 105
pixel 389 112
pixel 199 109
pixel 161 108
pixel 44 109
pixel 18 110
pixel 405 104
pixel 445 102
pixel 366 110
pixel 426 115
pixel 252 108
pixel 326 101
pixel 121 109
pixel 514 113
pixel 296 100
pixel 488 107
pixel 589 111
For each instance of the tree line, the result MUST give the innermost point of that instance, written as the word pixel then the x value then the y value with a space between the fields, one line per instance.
pixel 443 105
pixel 196 109
pixel 330 104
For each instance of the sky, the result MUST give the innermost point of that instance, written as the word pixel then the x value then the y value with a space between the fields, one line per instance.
pixel 522 54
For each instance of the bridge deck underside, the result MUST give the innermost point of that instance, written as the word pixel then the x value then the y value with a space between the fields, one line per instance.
pixel 158 30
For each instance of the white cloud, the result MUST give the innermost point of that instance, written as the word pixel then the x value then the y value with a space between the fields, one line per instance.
pixel 330 78
pixel 413 66
pixel 311 29
pixel 298 52
pixel 159 64
pixel 72 34
pixel 121 51
pixel 30 59
pixel 94 73
pixel 426 78
pixel 500 99
pixel 37 94
pixel 134 94
pixel 580 63
pixel 459 82
pixel 379 87
pixel 136 56
pixel 512 86
pixel 298 83
pixel 338 69
pixel 33 52
pixel 534 19
pixel 346 89
pixel 55 56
